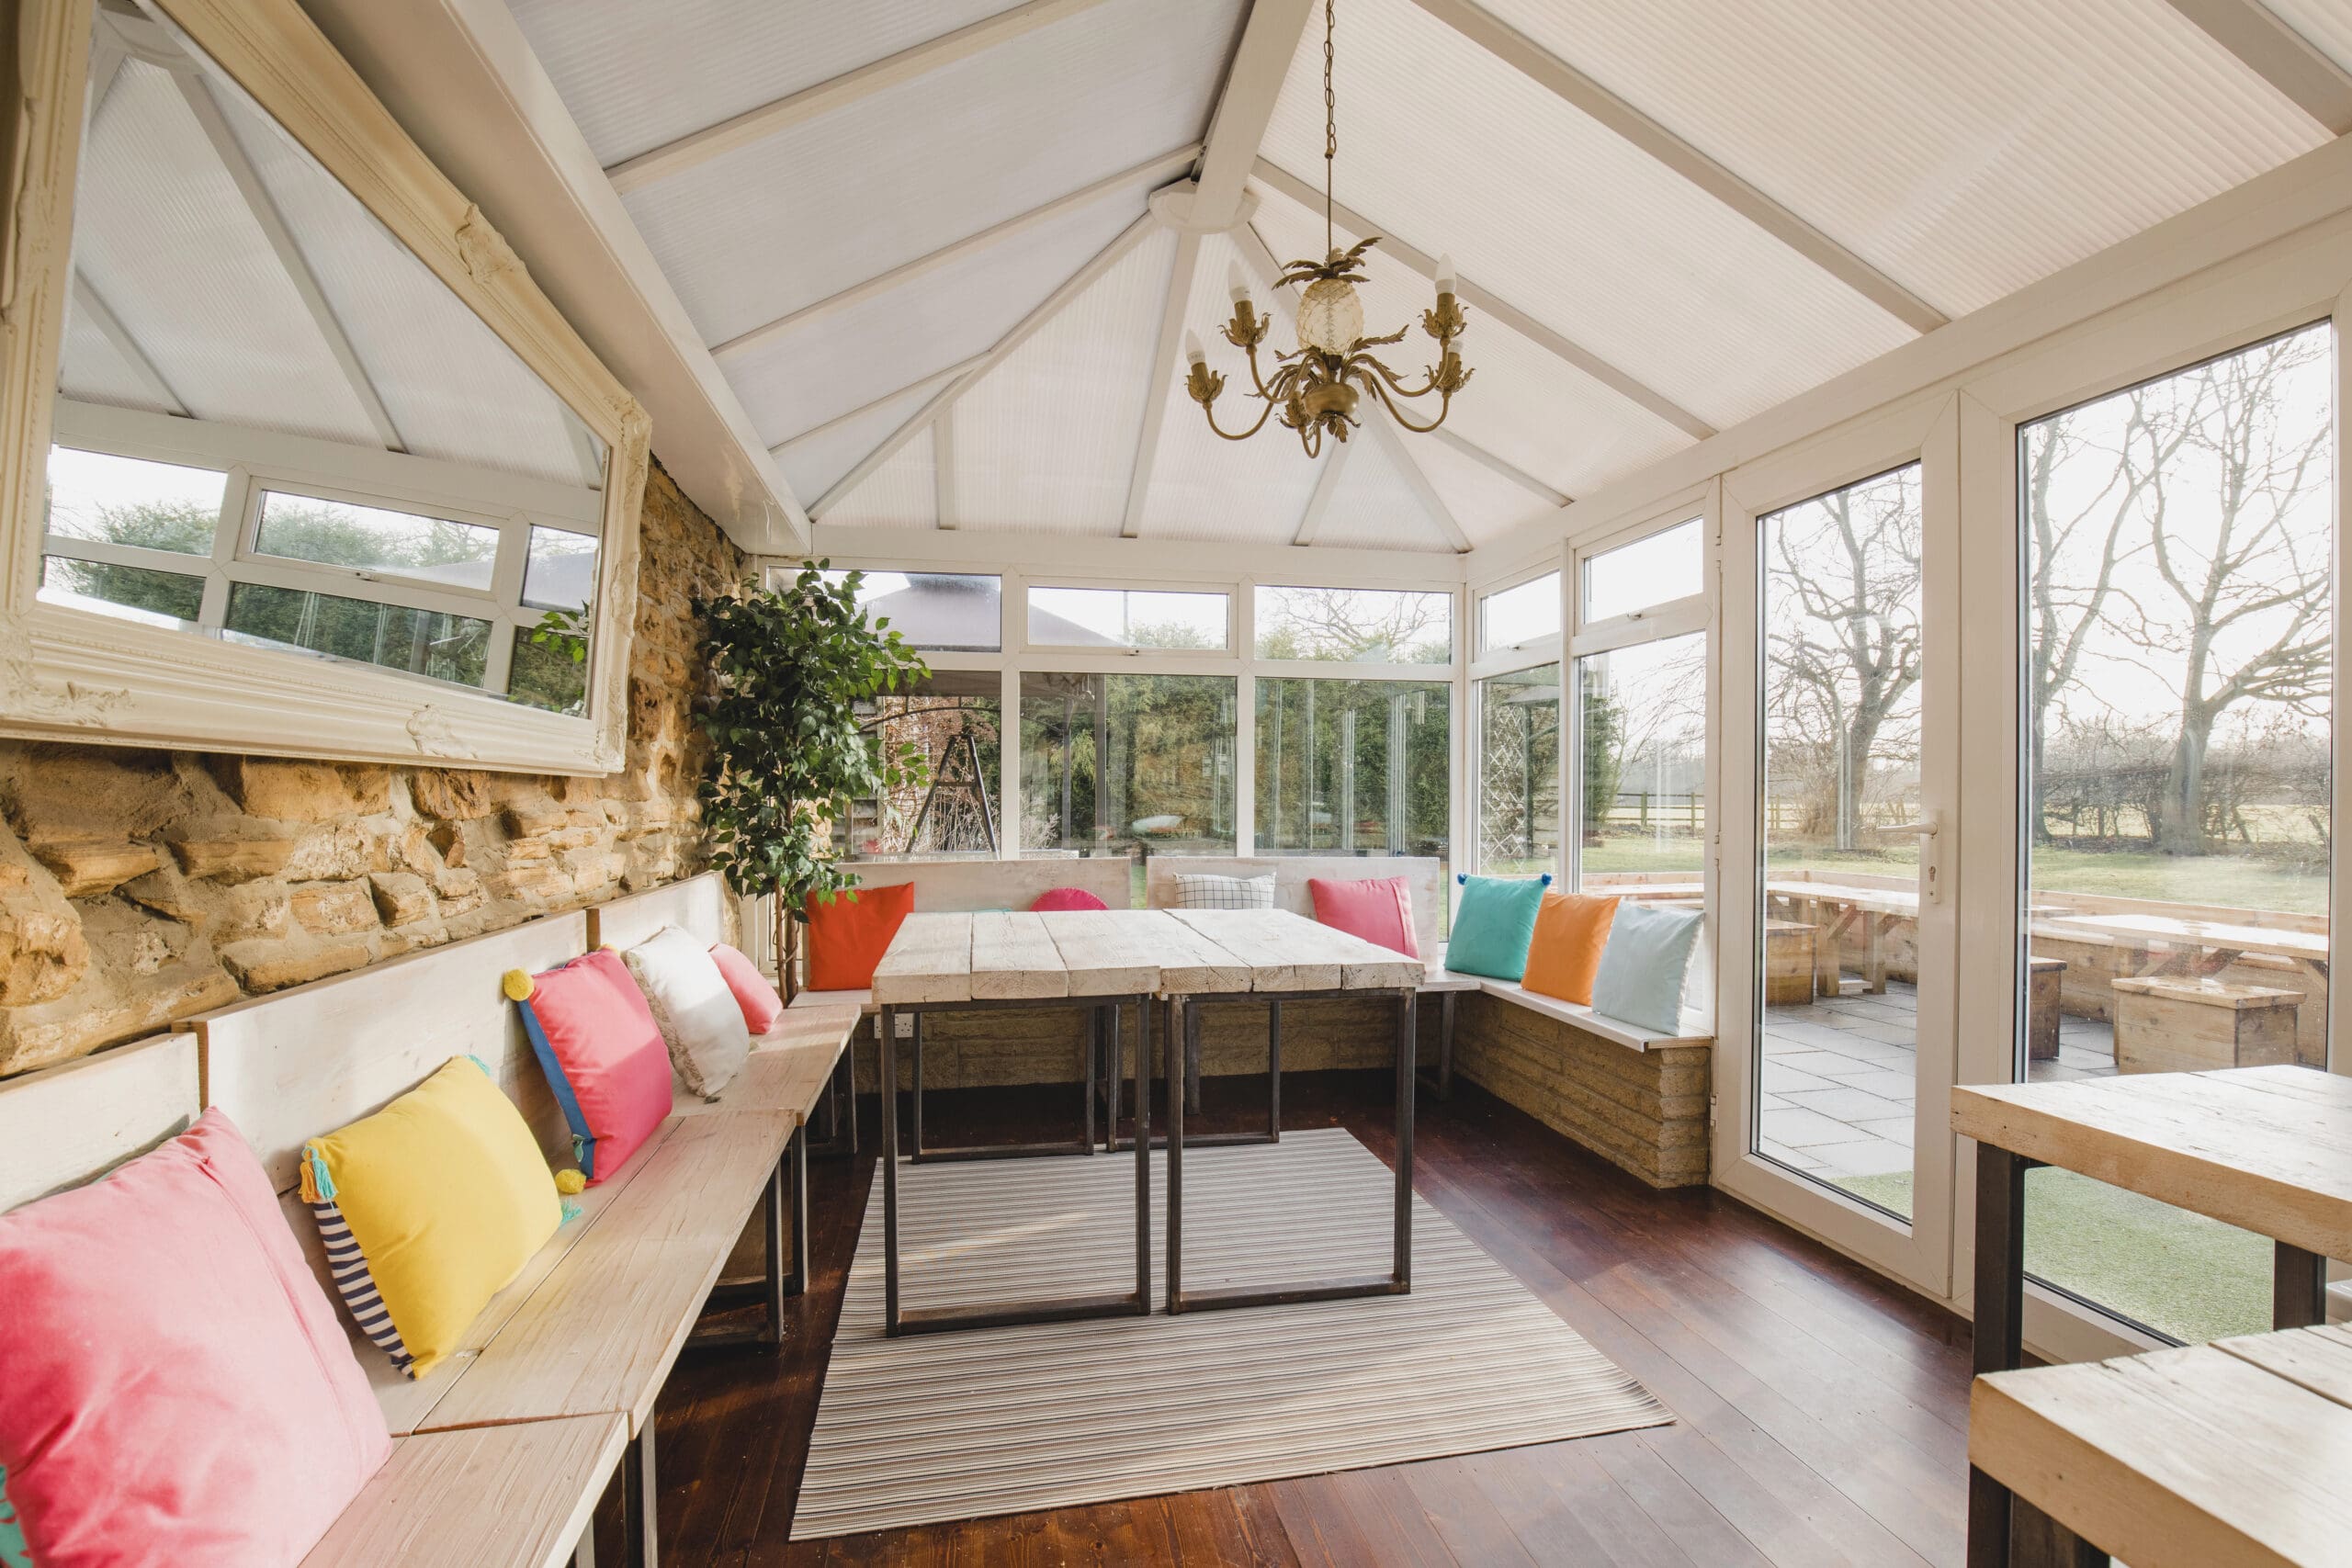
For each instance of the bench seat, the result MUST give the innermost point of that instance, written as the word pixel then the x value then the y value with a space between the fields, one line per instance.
pixel 511 1496
pixel 1632 1036
pixel 862 1000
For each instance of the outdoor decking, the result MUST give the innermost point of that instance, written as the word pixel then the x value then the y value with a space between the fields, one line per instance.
pixel 1840 1080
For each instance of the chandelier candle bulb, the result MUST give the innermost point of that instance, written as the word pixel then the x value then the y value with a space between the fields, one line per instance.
pixel 1236 284
pixel 1194 353
pixel 1445 276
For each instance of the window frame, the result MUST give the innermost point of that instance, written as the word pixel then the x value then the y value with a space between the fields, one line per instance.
pixel 1693 613
pixel 1233 623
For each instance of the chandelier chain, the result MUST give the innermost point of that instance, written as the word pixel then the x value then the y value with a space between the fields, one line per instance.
pixel 1331 126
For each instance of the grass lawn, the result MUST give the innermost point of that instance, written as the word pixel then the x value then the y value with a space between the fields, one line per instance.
pixel 2238 882
pixel 2181 1274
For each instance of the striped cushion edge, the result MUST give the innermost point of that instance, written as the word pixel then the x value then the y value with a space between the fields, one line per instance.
pixel 1207 890
pixel 348 1267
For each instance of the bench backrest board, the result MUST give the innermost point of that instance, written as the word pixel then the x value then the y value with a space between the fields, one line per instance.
pixel 1422 873
pixel 64 1125
pixel 698 904
pixel 947 887
pixel 301 1062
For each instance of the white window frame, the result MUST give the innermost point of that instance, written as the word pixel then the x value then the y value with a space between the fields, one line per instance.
pixel 254 463
pixel 1348 570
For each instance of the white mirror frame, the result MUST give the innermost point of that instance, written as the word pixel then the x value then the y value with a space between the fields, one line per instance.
pixel 70 675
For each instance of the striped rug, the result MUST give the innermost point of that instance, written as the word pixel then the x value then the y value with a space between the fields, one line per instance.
pixel 1006 1420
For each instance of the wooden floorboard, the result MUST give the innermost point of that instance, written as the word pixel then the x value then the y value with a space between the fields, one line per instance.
pixel 1821 1411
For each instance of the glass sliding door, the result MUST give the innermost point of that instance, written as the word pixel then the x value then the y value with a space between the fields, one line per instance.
pixel 2177 713
pixel 1836 1077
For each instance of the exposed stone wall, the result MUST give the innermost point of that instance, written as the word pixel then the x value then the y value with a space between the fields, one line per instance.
pixel 1645 1111
pixel 139 887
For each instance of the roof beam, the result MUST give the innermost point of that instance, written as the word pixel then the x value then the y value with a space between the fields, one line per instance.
pixel 87 300
pixel 257 199
pixel 1502 465
pixel 1163 365
pixel 1070 288
pixel 754 125
pixel 1375 420
pixel 1168 162
pixel 2279 55
pixel 943 469
pixel 1246 105
pixel 1503 310
pixel 1580 91
pixel 917 385
pixel 1326 484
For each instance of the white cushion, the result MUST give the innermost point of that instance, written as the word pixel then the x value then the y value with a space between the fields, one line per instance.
pixel 1201 890
pixel 1644 965
pixel 700 1020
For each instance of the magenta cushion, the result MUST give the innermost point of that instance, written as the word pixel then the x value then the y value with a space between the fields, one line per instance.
pixel 604 1057
pixel 179 1390
pixel 761 1007
pixel 1066 898
pixel 1379 910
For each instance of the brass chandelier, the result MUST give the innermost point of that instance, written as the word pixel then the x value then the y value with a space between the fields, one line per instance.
pixel 1317 387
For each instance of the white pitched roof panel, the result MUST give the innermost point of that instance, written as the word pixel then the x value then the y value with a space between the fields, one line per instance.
pixel 901 493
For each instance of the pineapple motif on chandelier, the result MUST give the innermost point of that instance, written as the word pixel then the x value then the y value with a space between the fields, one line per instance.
pixel 1317 387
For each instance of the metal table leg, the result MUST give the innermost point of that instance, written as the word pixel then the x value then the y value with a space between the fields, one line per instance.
pixel 1083 1145
pixel 1398 1281
pixel 1137 1302
pixel 1273 1133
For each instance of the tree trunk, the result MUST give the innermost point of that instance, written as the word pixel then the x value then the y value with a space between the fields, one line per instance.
pixel 1860 736
pixel 787 951
pixel 2180 826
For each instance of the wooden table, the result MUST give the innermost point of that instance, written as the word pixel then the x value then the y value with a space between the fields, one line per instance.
pixel 1099 959
pixel 2232 1452
pixel 2195 947
pixel 2268 1149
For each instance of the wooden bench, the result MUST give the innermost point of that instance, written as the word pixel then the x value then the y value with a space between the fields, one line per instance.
pixel 2230 1452
pixel 2167 1023
pixel 595 1322
pixel 506 1496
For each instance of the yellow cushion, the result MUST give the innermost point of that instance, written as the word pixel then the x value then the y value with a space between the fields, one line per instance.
pixel 1571 929
pixel 447 1196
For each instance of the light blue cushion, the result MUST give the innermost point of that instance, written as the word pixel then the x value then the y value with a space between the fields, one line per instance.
pixel 1494 924
pixel 1640 980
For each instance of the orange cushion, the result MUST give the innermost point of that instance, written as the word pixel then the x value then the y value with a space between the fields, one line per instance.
pixel 848 936
pixel 1570 931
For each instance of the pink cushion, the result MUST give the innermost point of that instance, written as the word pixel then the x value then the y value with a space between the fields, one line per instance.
pixel 178 1388
pixel 604 1057
pixel 761 1007
pixel 1379 910
pixel 1068 898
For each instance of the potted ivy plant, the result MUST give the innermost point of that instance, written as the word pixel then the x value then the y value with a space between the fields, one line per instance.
pixel 791 665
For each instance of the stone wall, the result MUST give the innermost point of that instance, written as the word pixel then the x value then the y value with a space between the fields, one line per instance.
pixel 139 887
pixel 1644 1110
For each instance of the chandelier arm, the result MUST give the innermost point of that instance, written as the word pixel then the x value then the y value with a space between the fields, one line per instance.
pixel 1263 415
pixel 1396 383
pixel 1256 380
pixel 1444 406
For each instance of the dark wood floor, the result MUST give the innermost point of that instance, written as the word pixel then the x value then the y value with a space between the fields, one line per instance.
pixel 1821 1412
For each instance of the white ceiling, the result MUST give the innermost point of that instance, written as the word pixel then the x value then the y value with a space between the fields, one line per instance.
pixel 1670 216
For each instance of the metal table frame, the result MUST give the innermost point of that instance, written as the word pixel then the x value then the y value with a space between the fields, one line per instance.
pixel 1136 1302
pixel 1192 1085
pixel 2001 1532
pixel 1183 1042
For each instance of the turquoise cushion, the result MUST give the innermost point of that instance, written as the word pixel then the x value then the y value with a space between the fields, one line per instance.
pixel 1640 980
pixel 1493 924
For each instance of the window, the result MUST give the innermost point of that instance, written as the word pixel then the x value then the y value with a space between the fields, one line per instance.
pixel 1657 569
pixel 388 585
pixel 2178 729
pixel 1513 617
pixel 1127 617
pixel 947 612
pixel 1518 771
pixel 1355 625
pixel 1127 763
pixel 1642 761
pixel 955 720
pixel 1353 767
pixel 372 539
pixel 1837 1040
pixel 441 646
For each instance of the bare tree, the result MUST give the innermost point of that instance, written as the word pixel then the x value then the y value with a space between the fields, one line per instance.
pixel 1843 585
pixel 2240 542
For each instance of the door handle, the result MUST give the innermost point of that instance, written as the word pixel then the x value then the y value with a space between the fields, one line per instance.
pixel 1931 880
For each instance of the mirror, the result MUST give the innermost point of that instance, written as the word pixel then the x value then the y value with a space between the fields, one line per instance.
pixel 276 426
